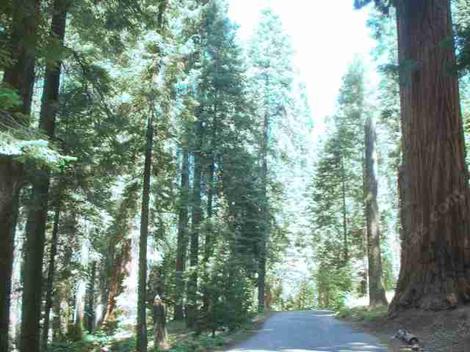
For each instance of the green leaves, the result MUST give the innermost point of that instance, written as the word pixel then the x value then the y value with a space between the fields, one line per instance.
pixel 9 98
pixel 382 5
pixel 36 151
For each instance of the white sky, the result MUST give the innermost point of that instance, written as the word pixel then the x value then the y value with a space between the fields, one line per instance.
pixel 326 35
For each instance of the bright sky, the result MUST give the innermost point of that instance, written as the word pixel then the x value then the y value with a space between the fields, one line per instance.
pixel 326 35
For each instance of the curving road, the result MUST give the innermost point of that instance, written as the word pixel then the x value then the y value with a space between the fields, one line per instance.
pixel 309 331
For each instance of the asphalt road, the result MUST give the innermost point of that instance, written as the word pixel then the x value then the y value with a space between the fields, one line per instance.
pixel 309 331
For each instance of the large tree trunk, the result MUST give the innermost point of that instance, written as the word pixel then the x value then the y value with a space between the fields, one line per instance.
pixel 144 224
pixel 50 280
pixel 118 271
pixel 376 287
pixel 196 218
pixel 262 252
pixel 9 193
pixel 182 238
pixel 435 255
pixel 37 212
pixel 118 255
pixel 20 77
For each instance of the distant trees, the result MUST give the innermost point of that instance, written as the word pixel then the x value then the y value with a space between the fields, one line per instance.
pixel 338 199
pixel 272 82
pixel 151 107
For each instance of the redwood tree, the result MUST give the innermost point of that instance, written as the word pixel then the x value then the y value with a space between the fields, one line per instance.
pixel 433 178
pixel 435 257
pixel 19 76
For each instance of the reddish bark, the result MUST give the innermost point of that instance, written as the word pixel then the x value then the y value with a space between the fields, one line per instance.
pixel 434 182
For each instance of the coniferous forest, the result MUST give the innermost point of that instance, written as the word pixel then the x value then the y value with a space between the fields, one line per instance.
pixel 162 186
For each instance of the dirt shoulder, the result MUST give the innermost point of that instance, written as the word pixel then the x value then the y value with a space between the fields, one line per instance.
pixel 444 331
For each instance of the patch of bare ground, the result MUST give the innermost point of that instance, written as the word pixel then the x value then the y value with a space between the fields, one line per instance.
pixel 444 331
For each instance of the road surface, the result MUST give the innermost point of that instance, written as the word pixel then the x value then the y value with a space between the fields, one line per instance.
pixel 309 331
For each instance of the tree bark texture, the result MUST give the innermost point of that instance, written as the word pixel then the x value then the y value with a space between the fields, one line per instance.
pixel 20 77
pixel 434 181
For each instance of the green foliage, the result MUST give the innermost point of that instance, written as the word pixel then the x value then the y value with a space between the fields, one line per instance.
pixel 462 31
pixel 199 344
pixel 363 313
pixel 337 200
pixel 382 5
pixel 8 98
pixel 229 291
pixel 333 286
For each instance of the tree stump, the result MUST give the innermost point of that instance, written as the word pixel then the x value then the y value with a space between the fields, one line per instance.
pixel 159 316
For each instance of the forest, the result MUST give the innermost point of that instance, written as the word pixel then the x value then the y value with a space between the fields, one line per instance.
pixel 162 187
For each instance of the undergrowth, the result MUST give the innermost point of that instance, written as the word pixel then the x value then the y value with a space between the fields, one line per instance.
pixel 363 313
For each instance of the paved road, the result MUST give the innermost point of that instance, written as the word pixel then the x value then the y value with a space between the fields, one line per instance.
pixel 309 331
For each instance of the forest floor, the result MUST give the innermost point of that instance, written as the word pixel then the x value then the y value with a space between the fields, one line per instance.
pixel 180 339
pixel 444 331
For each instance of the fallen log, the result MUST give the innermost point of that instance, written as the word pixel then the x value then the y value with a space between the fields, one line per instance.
pixel 407 337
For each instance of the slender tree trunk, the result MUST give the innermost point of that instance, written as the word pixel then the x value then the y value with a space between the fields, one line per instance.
pixel 345 213
pixel 209 240
pixel 211 176
pixel 90 316
pixel 435 256
pixel 142 338
pixel 20 77
pixel 79 320
pixel 57 331
pixel 182 238
pixel 376 288
pixel 196 218
pixel 37 213
pixel 144 224
pixel 50 280
pixel 265 215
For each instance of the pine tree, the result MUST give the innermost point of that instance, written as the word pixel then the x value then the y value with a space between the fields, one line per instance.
pixel 337 202
pixel 270 54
